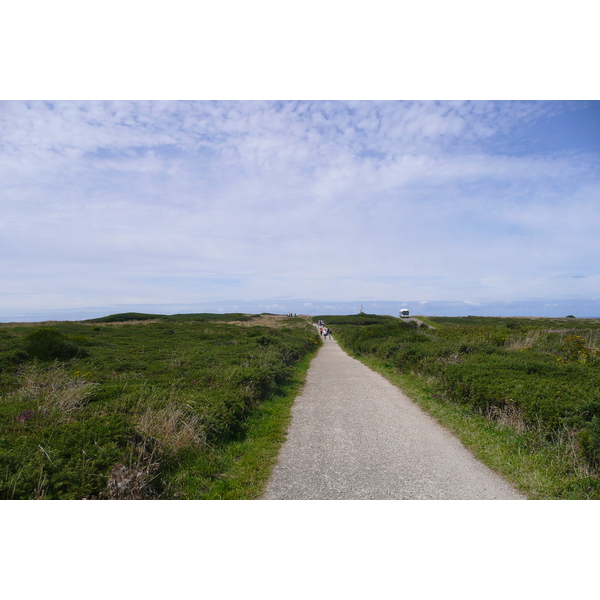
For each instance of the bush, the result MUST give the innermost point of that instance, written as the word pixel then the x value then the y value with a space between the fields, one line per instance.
pixel 65 461
pixel 545 391
pixel 46 343
pixel 587 422
pixel 14 356
pixel 589 438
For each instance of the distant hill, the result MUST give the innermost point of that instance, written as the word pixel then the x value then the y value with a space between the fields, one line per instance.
pixel 134 316
pixel 121 317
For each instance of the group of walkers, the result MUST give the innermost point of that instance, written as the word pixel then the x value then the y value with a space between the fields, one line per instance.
pixel 324 331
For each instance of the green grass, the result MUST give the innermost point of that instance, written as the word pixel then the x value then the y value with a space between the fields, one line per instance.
pixel 522 394
pixel 124 317
pixel 244 466
pixel 186 406
pixel 427 320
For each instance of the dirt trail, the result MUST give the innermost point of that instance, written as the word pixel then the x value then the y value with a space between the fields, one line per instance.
pixel 354 435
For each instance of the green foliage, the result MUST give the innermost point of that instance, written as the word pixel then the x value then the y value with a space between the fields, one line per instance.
pixel 519 323
pixel 586 422
pixel 63 460
pixel 544 391
pixel 575 349
pixel 46 343
pixel 223 318
pixel 361 319
pixel 131 413
pixel 134 316
pixel 12 356
pixel 124 317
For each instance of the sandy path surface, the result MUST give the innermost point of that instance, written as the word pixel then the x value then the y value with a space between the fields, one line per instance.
pixel 354 435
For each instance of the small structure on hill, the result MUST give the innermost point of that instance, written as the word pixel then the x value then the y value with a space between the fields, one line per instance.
pixel 404 314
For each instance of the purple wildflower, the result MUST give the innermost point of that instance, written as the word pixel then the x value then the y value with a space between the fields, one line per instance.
pixel 25 415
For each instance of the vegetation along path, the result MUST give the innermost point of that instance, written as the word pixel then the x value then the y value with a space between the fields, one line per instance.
pixel 354 435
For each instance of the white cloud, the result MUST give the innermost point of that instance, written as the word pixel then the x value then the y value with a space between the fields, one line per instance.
pixel 106 201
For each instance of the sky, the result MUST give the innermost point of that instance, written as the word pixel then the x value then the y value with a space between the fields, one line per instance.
pixel 189 205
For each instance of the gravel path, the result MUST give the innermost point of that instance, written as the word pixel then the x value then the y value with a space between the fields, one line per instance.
pixel 354 435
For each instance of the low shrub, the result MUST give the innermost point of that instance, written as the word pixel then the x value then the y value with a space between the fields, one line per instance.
pixel 64 460
pixel 586 422
pixel 544 391
pixel 46 343
pixel 143 407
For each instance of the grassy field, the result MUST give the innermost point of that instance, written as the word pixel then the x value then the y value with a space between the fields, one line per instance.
pixel 147 406
pixel 523 394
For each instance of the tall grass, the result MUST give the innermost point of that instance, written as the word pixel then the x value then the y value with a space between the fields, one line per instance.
pixel 53 388
pixel 172 428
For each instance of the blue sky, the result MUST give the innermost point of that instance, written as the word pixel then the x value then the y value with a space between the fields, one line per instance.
pixel 211 204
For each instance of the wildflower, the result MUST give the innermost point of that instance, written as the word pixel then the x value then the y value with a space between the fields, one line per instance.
pixel 26 415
